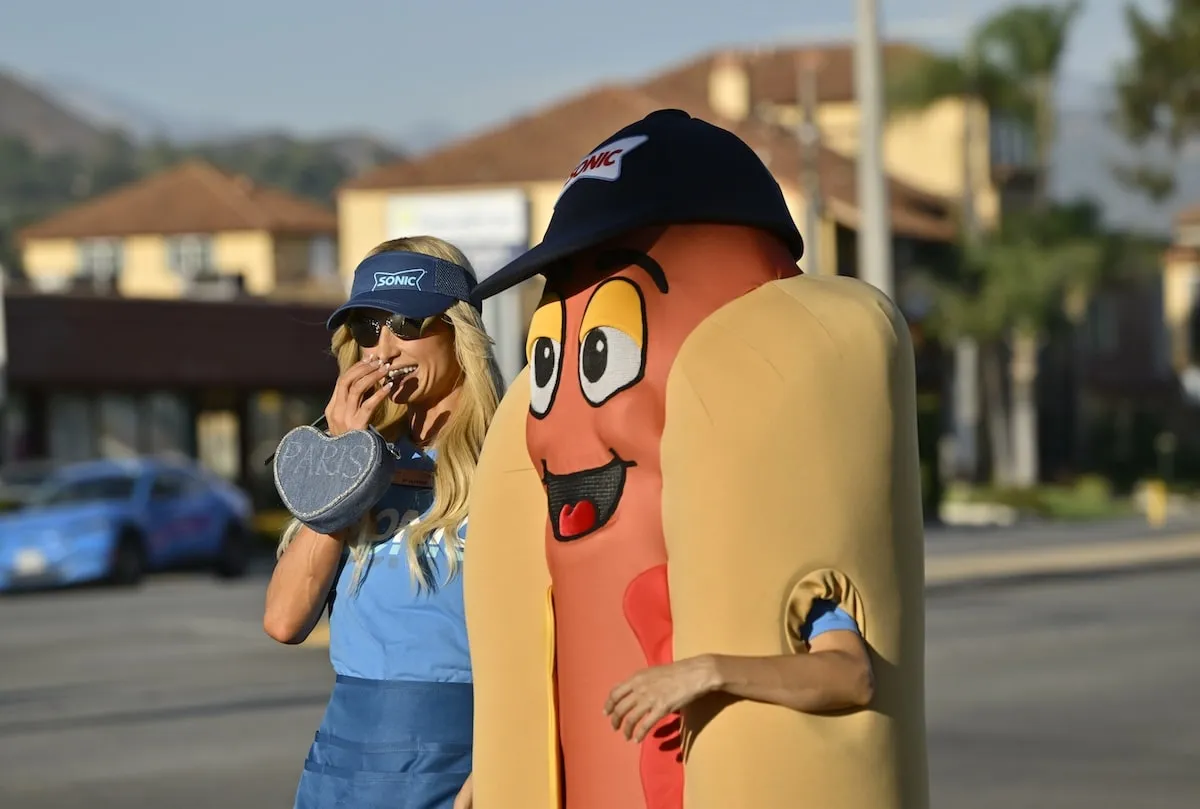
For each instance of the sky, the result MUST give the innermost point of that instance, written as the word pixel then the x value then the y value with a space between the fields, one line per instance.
pixel 389 67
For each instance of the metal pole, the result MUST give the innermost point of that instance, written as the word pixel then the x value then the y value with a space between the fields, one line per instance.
pixel 875 232
pixel 809 134
pixel 966 405
pixel 3 368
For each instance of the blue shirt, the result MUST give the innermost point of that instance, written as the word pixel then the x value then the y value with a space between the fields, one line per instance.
pixel 826 616
pixel 387 629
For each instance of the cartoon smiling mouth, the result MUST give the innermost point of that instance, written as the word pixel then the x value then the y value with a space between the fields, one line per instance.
pixel 582 502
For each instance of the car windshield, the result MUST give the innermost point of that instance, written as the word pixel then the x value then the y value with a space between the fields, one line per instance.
pixel 86 490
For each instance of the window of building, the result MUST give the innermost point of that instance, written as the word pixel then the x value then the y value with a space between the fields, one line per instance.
pixel 322 257
pixel 1103 321
pixel 218 442
pixel 18 433
pixel 71 428
pixel 168 424
pixel 119 425
pixel 101 259
pixel 190 255
pixel 1012 143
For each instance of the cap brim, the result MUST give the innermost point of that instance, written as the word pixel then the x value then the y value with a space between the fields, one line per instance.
pixel 535 260
pixel 426 305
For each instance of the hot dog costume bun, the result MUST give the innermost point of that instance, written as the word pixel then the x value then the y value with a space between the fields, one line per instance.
pixel 793 408
pixel 703 444
pixel 507 590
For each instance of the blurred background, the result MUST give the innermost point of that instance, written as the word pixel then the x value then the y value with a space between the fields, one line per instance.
pixel 186 189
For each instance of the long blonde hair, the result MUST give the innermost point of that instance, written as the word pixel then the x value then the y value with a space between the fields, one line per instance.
pixel 458 442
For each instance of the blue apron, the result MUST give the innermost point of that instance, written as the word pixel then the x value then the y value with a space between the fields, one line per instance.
pixel 389 745
pixel 397 730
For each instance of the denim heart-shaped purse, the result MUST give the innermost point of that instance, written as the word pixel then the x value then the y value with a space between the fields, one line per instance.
pixel 329 482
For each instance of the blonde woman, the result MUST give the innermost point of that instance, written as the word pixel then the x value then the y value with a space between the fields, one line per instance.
pixel 416 363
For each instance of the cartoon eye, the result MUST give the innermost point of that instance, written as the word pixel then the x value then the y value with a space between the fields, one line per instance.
pixel 609 361
pixel 545 362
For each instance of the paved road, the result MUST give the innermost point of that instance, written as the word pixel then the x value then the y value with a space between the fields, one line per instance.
pixel 1078 695
pixel 1048 696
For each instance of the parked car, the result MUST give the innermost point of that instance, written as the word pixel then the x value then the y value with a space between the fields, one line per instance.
pixel 20 481
pixel 117 520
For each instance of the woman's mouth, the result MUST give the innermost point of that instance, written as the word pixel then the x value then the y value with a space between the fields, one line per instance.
pixel 397 377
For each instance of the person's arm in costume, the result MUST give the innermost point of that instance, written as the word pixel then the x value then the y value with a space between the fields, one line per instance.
pixel 834 675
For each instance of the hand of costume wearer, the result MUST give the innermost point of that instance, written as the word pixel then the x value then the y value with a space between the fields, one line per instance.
pixel 638 704
pixel 465 799
pixel 356 396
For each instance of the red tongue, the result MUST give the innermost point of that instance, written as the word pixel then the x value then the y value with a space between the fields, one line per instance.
pixel 576 518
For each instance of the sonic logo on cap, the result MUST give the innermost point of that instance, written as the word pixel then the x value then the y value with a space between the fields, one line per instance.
pixel 408 279
pixel 605 162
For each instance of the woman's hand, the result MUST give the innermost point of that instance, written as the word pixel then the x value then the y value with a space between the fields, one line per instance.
pixel 638 704
pixel 356 396
pixel 465 799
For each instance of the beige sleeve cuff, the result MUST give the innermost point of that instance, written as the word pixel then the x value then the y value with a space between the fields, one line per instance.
pixel 825 584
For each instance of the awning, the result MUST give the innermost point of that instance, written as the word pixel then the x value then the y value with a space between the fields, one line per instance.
pixel 74 341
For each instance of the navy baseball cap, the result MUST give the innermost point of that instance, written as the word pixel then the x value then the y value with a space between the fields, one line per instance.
pixel 668 168
pixel 410 284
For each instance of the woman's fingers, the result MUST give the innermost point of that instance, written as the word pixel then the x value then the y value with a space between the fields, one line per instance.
pixel 371 404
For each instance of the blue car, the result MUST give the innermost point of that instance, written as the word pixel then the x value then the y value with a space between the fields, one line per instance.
pixel 116 520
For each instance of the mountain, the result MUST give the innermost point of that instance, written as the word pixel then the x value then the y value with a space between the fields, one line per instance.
pixel 46 125
pixel 356 152
pixel 113 111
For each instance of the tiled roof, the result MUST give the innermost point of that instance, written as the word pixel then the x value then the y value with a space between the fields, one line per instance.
pixel 192 197
pixel 1188 216
pixel 773 73
pixel 542 145
pixel 546 144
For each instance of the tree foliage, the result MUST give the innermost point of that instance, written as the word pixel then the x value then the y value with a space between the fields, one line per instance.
pixel 1157 92
pixel 999 65
pixel 1020 276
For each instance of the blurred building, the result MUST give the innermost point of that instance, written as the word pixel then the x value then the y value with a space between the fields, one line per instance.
pixel 182 313
pixel 1181 290
pixel 189 231
pixel 493 193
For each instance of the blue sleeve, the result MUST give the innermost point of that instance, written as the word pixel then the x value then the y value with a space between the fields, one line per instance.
pixel 826 616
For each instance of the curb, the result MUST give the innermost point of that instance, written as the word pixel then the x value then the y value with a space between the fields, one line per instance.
pixel 948 573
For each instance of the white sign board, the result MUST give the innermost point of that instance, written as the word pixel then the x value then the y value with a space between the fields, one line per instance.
pixel 476 221
pixel 492 228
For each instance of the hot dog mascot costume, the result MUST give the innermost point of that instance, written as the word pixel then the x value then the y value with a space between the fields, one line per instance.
pixel 704 442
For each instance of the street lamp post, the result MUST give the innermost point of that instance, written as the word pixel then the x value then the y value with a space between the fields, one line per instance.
pixel 874 234
pixel 809 134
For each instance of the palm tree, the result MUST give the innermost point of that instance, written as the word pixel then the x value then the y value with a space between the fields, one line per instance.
pixel 1011 66
pixel 1026 43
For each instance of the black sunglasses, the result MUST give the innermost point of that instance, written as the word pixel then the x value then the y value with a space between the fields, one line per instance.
pixel 365 328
